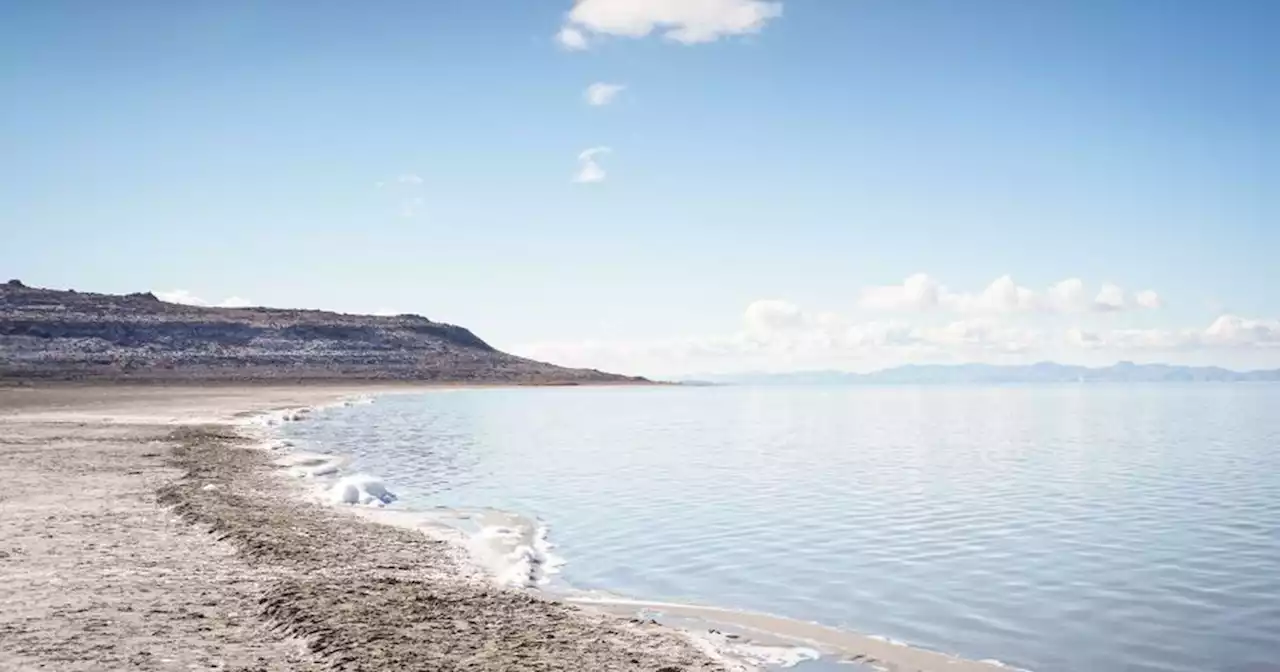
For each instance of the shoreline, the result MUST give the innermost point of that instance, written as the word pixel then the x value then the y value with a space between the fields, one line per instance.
pixel 181 551
pixel 389 385
pixel 335 586
pixel 734 636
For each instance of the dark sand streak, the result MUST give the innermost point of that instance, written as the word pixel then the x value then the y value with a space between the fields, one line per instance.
pixel 366 595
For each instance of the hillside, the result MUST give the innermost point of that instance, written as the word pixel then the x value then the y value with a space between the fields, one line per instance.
pixel 67 335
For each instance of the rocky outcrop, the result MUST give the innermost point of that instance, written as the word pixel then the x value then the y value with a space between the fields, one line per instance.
pixel 67 335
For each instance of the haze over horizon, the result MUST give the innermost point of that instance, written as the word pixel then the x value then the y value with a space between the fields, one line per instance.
pixel 670 188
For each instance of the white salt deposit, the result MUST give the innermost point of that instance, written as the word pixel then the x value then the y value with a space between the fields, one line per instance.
pixel 514 549
pixel 279 417
pixel 511 548
pixel 779 656
pixel 998 663
pixel 360 489
pixel 742 655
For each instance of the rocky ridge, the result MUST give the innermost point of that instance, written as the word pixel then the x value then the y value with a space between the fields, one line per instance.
pixel 67 335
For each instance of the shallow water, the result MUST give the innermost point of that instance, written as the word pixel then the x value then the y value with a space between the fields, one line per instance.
pixel 1052 528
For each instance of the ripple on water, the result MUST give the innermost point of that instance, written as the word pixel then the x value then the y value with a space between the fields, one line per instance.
pixel 1054 528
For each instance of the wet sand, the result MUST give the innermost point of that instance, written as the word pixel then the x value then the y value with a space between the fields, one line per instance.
pixel 144 528
pixel 866 652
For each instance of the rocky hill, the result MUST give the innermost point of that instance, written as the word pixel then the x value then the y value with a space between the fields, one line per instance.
pixel 66 335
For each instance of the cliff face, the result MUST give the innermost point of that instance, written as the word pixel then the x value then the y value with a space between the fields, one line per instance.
pixel 66 335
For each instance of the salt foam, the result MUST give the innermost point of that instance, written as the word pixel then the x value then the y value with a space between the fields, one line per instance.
pixel 360 489
pixel 745 656
pixel 511 548
pixel 514 549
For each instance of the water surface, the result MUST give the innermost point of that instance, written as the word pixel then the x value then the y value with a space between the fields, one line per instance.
pixel 1053 528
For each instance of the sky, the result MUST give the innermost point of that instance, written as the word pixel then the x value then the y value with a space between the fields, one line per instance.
pixel 669 187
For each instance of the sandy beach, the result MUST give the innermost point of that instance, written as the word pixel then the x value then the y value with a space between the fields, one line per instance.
pixel 140 531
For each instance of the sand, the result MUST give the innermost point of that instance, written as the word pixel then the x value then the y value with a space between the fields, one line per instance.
pixel 142 528
pixel 115 554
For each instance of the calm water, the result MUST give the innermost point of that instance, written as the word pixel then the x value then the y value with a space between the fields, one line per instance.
pixel 1053 528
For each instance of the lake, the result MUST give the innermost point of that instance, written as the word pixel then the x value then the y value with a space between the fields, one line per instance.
pixel 1075 527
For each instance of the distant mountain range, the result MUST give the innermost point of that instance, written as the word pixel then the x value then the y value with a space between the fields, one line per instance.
pixel 1044 372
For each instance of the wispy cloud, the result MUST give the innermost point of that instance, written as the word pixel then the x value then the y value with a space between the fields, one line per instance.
pixel 186 298
pixel 589 170
pixel 600 93
pixel 412 206
pixel 683 21
pixel 406 192
pixel 571 38
pixel 1148 299
pixel 1109 299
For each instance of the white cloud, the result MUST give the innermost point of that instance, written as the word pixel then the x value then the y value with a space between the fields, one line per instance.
pixel 600 93
pixel 770 315
pixel 1148 299
pixel 1001 296
pixel 589 170
pixel 1067 296
pixel 1134 340
pixel 1233 330
pixel 917 292
pixel 409 178
pixel 186 298
pixel 780 336
pixel 234 302
pixel 684 21
pixel 1109 299
pixel 1227 331
pixel 981 334
pixel 571 39
pixel 180 296
pixel 920 292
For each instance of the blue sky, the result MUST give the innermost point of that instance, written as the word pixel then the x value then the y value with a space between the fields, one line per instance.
pixel 774 170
